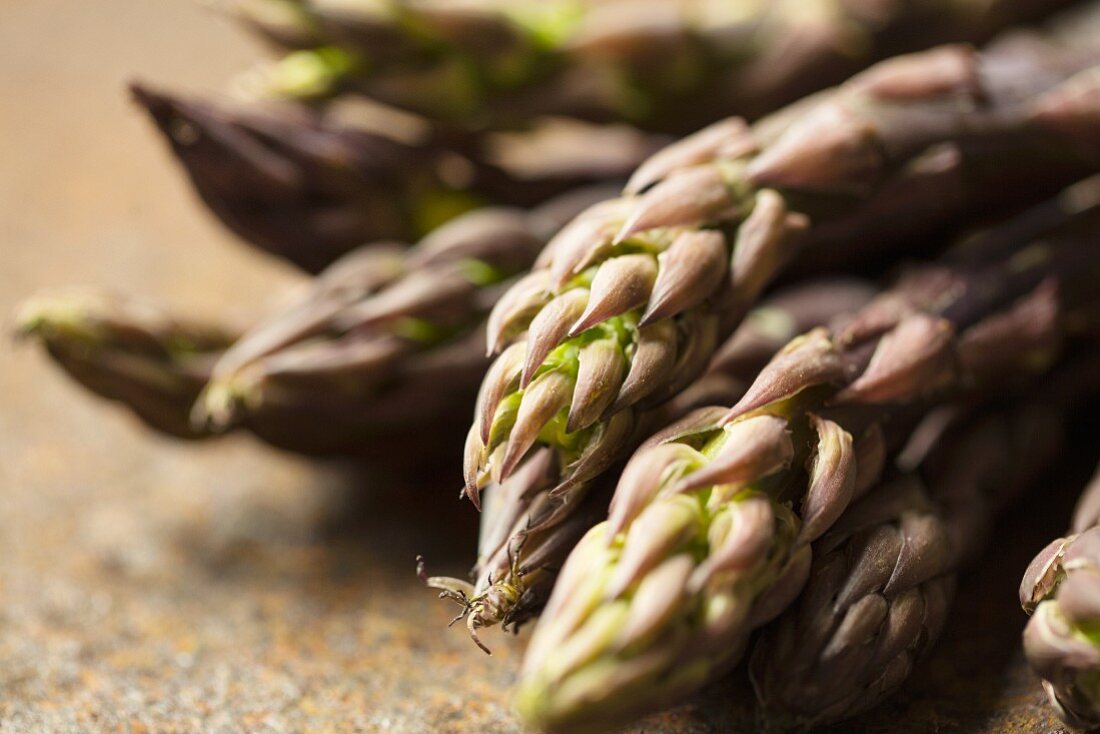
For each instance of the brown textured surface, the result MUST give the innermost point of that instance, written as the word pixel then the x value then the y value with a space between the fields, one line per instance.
pixel 151 586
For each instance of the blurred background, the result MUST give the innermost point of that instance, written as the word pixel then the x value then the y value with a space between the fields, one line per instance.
pixel 148 585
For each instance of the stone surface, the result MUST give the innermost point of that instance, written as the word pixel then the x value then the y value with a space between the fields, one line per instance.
pixel 152 586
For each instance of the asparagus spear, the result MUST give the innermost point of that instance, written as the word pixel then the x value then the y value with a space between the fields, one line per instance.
pixel 309 187
pixel 156 368
pixel 522 544
pixel 670 66
pixel 128 351
pixel 1058 590
pixel 627 303
pixel 704 543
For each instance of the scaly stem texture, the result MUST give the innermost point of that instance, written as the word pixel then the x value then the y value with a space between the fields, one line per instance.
pixel 883 577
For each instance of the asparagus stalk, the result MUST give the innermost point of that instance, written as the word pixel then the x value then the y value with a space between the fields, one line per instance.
pixel 1058 590
pixel 704 543
pixel 310 187
pixel 523 543
pixel 671 66
pixel 128 351
pixel 628 302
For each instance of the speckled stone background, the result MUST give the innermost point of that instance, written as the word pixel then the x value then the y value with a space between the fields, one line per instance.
pixel 149 586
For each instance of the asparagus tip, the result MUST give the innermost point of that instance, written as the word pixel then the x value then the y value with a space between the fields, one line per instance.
pixel 55 318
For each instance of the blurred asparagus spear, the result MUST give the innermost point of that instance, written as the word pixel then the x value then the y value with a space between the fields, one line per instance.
pixel 112 347
pixel 1059 591
pixel 704 543
pixel 882 581
pixel 668 66
pixel 628 302
pixel 385 341
pixel 127 351
pixel 522 543
pixel 310 186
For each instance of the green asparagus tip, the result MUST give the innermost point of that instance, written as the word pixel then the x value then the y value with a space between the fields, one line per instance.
pixel 57 319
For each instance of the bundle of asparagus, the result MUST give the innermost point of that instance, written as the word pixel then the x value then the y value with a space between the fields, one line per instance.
pixel 872 436
pixel 627 303
pixel 703 544
pixel 670 66
pixel 311 186
pixel 1059 591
